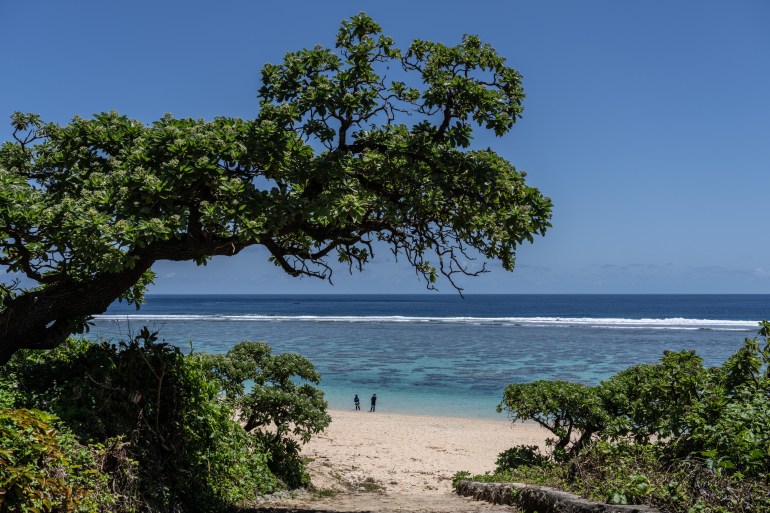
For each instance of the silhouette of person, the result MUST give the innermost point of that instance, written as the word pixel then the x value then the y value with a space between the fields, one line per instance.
pixel 374 402
pixel 357 402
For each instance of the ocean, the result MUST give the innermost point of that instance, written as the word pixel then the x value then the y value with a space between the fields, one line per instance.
pixel 441 354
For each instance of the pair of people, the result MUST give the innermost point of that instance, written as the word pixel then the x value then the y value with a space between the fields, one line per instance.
pixel 357 402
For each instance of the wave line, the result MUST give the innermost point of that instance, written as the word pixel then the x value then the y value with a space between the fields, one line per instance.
pixel 588 322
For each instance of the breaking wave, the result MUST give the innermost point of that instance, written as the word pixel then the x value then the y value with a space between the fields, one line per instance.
pixel 676 323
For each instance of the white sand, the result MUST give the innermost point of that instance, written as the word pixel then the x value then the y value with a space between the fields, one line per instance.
pixel 386 462
pixel 407 453
pixel 406 462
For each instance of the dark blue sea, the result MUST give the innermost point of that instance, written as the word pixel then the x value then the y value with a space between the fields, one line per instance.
pixel 444 354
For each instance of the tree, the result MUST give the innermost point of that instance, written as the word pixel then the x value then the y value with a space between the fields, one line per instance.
pixel 280 413
pixel 274 404
pixel 650 401
pixel 329 166
pixel 684 410
pixel 572 412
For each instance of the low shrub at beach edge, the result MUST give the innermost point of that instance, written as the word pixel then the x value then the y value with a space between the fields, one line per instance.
pixel 673 435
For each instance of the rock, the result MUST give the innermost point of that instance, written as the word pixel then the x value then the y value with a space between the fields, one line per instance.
pixel 541 499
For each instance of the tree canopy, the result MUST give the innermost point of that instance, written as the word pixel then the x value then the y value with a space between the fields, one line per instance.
pixel 361 143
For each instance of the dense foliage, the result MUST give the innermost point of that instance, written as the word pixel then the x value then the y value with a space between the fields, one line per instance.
pixel 281 413
pixel 362 143
pixel 161 425
pixel 673 434
pixel 43 468
pixel 571 411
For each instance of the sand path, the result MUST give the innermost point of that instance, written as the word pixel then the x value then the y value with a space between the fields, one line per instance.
pixel 397 463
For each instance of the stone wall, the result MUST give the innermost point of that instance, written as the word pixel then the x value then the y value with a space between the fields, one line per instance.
pixel 540 499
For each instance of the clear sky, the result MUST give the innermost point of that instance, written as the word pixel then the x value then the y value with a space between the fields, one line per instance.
pixel 647 123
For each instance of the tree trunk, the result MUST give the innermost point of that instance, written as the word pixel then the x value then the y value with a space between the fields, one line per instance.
pixel 43 319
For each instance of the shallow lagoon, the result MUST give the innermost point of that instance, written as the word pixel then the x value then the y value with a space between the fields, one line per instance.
pixel 443 355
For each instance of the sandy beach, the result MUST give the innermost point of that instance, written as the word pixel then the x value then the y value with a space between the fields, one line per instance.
pixel 393 462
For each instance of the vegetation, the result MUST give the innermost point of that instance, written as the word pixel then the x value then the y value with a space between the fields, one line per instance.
pixel 144 428
pixel 340 156
pixel 370 485
pixel 565 409
pixel 43 468
pixel 674 434
pixel 280 413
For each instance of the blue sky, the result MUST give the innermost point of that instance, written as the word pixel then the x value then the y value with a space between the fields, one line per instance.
pixel 647 123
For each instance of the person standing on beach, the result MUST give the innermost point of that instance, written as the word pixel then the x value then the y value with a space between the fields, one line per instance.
pixel 357 402
pixel 374 402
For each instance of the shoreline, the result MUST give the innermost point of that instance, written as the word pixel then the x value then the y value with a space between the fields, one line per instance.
pixel 428 416
pixel 416 402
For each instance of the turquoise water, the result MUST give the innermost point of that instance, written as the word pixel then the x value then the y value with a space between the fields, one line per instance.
pixel 443 355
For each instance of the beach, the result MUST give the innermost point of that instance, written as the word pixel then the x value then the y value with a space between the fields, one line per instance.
pixel 385 461
pixel 439 365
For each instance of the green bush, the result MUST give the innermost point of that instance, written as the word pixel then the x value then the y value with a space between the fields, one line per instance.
pixel 672 434
pixel 280 412
pixel 190 454
pixel 162 424
pixel 653 401
pixel 633 473
pixel 618 473
pixel 520 456
pixel 7 393
pixel 571 411
pixel 43 468
pixel 458 476
pixel 739 438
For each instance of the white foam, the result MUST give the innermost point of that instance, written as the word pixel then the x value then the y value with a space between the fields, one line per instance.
pixel 676 323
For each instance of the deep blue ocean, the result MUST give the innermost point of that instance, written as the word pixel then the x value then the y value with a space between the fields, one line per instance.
pixel 444 354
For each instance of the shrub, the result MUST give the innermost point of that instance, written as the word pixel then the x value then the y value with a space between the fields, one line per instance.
pixel 722 413
pixel 520 456
pixel 43 468
pixel 280 412
pixel 571 411
pixel 734 439
pixel 458 476
pixel 632 473
pixel 672 434
pixel 653 401
pixel 189 451
pixel 618 473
